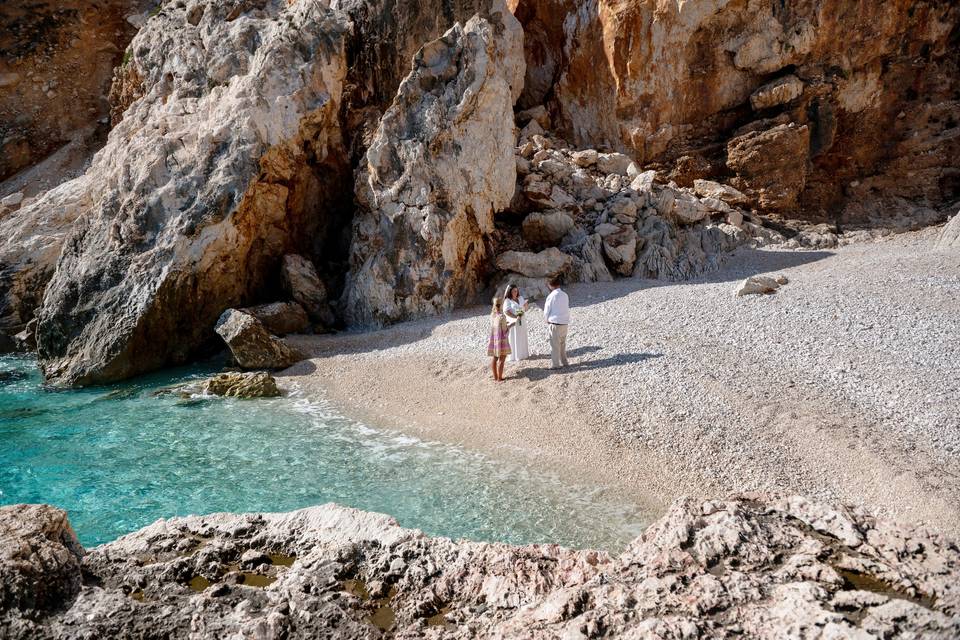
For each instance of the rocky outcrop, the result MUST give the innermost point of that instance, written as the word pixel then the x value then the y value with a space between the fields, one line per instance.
pixel 30 242
pixel 251 384
pixel 771 165
pixel 754 566
pixel 39 560
pixel 210 178
pixel 950 236
pixel 251 345
pixel 671 83
pixel 438 168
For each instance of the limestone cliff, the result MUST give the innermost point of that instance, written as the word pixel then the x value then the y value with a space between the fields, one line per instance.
pixel 439 166
pixel 415 156
pixel 874 87
pixel 750 566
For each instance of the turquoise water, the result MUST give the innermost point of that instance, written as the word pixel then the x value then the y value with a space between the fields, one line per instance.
pixel 118 458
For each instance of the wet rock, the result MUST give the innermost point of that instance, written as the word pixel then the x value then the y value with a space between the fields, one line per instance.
pixel 440 164
pixel 755 285
pixel 252 346
pixel 252 559
pixel 301 281
pixel 754 565
pixel 544 264
pixel 251 384
pixel 544 229
pixel 281 318
pixel 26 340
pixel 39 561
pixel 771 165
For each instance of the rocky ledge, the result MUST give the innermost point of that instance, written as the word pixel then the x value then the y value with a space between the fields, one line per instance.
pixel 752 565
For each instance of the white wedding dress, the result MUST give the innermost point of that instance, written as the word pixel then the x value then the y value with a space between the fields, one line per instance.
pixel 519 349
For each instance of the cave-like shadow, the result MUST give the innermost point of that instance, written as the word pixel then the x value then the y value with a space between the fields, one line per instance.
pixel 616 360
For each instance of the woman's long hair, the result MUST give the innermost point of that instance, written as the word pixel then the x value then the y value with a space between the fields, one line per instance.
pixel 508 293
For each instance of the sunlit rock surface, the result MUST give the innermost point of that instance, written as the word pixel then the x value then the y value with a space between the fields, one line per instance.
pixel 755 566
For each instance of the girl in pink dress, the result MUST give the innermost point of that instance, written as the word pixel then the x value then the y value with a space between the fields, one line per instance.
pixel 498 345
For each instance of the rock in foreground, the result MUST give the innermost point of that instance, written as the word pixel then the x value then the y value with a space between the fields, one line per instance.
pixel 751 566
pixel 251 384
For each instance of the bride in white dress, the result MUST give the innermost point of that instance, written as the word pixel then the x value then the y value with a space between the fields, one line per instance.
pixel 514 306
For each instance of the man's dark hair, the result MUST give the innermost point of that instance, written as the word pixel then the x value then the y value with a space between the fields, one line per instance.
pixel 555 281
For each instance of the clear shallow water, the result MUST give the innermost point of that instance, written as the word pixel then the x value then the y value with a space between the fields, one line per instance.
pixel 118 458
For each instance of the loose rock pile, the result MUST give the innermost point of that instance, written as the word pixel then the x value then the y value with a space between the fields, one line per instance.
pixel 610 218
pixel 752 566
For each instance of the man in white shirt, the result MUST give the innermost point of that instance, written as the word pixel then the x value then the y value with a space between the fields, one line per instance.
pixel 557 312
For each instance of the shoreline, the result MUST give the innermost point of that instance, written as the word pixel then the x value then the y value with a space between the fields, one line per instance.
pixel 670 394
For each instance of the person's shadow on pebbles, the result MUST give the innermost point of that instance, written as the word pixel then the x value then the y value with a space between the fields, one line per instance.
pixel 616 360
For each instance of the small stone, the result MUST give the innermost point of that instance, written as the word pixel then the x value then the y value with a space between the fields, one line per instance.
pixel 12 200
pixel 613 163
pixel 585 158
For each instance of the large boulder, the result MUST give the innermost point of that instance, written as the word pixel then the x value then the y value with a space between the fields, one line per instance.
pixel 544 264
pixel 250 384
pixel 439 166
pixel 199 190
pixel 39 560
pixel 281 318
pixel 301 281
pixel 545 229
pixel 252 346
pixel 771 165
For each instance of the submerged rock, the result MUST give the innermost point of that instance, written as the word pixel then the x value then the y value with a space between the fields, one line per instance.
pixel 252 384
pixel 252 346
pixel 753 566
pixel 439 166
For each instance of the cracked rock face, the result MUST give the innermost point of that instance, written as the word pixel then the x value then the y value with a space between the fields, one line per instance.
pixel 663 80
pixel 754 566
pixel 201 187
pixel 439 166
